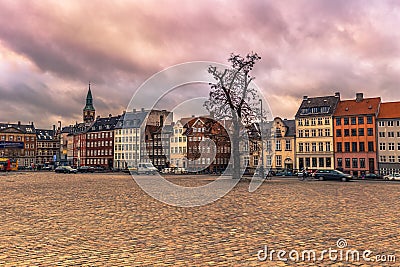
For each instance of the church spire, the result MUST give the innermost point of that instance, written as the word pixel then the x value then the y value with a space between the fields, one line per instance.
pixel 88 110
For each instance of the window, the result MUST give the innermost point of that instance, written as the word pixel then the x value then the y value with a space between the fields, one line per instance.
pixel 338 121
pixel 301 133
pixel 278 160
pixel 370 146
pixel 327 121
pixel 313 121
pixel 391 159
pixel 300 122
pixel 361 131
pixel 314 147
pixel 321 162
pixel 339 147
pixel 360 120
pixel 255 160
pixel 338 133
pixel 347 147
pixel 328 162
pixel 320 132
pixel 362 163
pixel 328 146
pixel 347 162
pixel 353 120
pixel 346 132
pixel 306 122
pixel 346 121
pixel 314 162
pixel 353 132
pixel 355 163
pixel 307 133
pixel 382 146
pixel 354 146
pixel 327 132
pixel 381 124
pixel 390 123
pixel 339 162
pixel 398 146
pixel 382 134
pixel 319 121
pixel 370 131
pixel 390 134
pixel 313 133
pixel 391 146
pixel 288 146
pixel 382 158
pixel 278 145
pixel 320 146
pixel 361 146
pixel 369 119
pixel 301 147
pixel 307 147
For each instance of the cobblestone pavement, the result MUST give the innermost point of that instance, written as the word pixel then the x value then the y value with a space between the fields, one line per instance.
pixel 52 219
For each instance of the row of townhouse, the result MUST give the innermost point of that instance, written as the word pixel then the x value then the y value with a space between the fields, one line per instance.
pixel 357 136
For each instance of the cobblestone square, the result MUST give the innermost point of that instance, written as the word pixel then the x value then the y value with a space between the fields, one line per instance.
pixel 50 219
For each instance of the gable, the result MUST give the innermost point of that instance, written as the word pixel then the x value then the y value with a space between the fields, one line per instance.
pixel 11 130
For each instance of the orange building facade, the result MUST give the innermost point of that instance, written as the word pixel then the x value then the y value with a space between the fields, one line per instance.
pixel 355 135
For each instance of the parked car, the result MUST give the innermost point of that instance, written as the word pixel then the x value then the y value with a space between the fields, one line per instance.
pixel 180 170
pixel 85 169
pixel 65 169
pixel 146 168
pixel 47 168
pixel 371 176
pixel 332 175
pixel 167 170
pixel 99 169
pixel 393 176
pixel 284 173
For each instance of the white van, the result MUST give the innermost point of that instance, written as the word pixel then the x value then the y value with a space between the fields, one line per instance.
pixel 146 168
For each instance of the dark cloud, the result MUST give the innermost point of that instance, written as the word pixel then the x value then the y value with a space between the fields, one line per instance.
pixel 308 47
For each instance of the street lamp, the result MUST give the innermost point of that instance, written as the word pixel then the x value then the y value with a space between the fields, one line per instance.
pixel 262 141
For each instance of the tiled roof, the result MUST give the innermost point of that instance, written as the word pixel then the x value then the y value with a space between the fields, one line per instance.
pixel 25 128
pixel 353 107
pixel 131 120
pixel 44 135
pixel 390 110
pixel 104 124
pixel 291 127
pixel 324 105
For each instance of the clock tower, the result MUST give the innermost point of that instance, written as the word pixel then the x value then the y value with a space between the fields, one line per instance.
pixel 88 111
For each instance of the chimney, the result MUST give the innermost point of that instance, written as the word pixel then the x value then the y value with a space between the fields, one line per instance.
pixel 192 116
pixel 161 120
pixel 305 97
pixel 19 123
pixel 142 109
pixel 359 97
pixel 337 94
pixel 123 112
pixel 54 129
pixel 134 110
pixel 32 123
pixel 109 115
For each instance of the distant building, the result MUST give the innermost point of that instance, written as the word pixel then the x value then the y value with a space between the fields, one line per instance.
pixel 355 135
pixel 158 145
pixel 100 142
pixel 48 147
pixel 208 145
pixel 314 132
pixel 129 135
pixel 89 111
pixel 18 141
pixel 283 145
pixel 178 144
pixel 389 138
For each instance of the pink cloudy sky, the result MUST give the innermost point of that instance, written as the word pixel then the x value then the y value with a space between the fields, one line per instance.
pixel 49 50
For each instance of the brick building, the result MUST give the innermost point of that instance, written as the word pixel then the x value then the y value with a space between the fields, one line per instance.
pixel 208 145
pixel 18 141
pixel 355 135
pixel 389 138
pixel 100 142
pixel 48 147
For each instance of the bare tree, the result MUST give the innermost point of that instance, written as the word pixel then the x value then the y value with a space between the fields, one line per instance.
pixel 232 98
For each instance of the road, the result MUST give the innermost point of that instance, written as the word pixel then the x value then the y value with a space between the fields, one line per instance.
pixel 50 219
